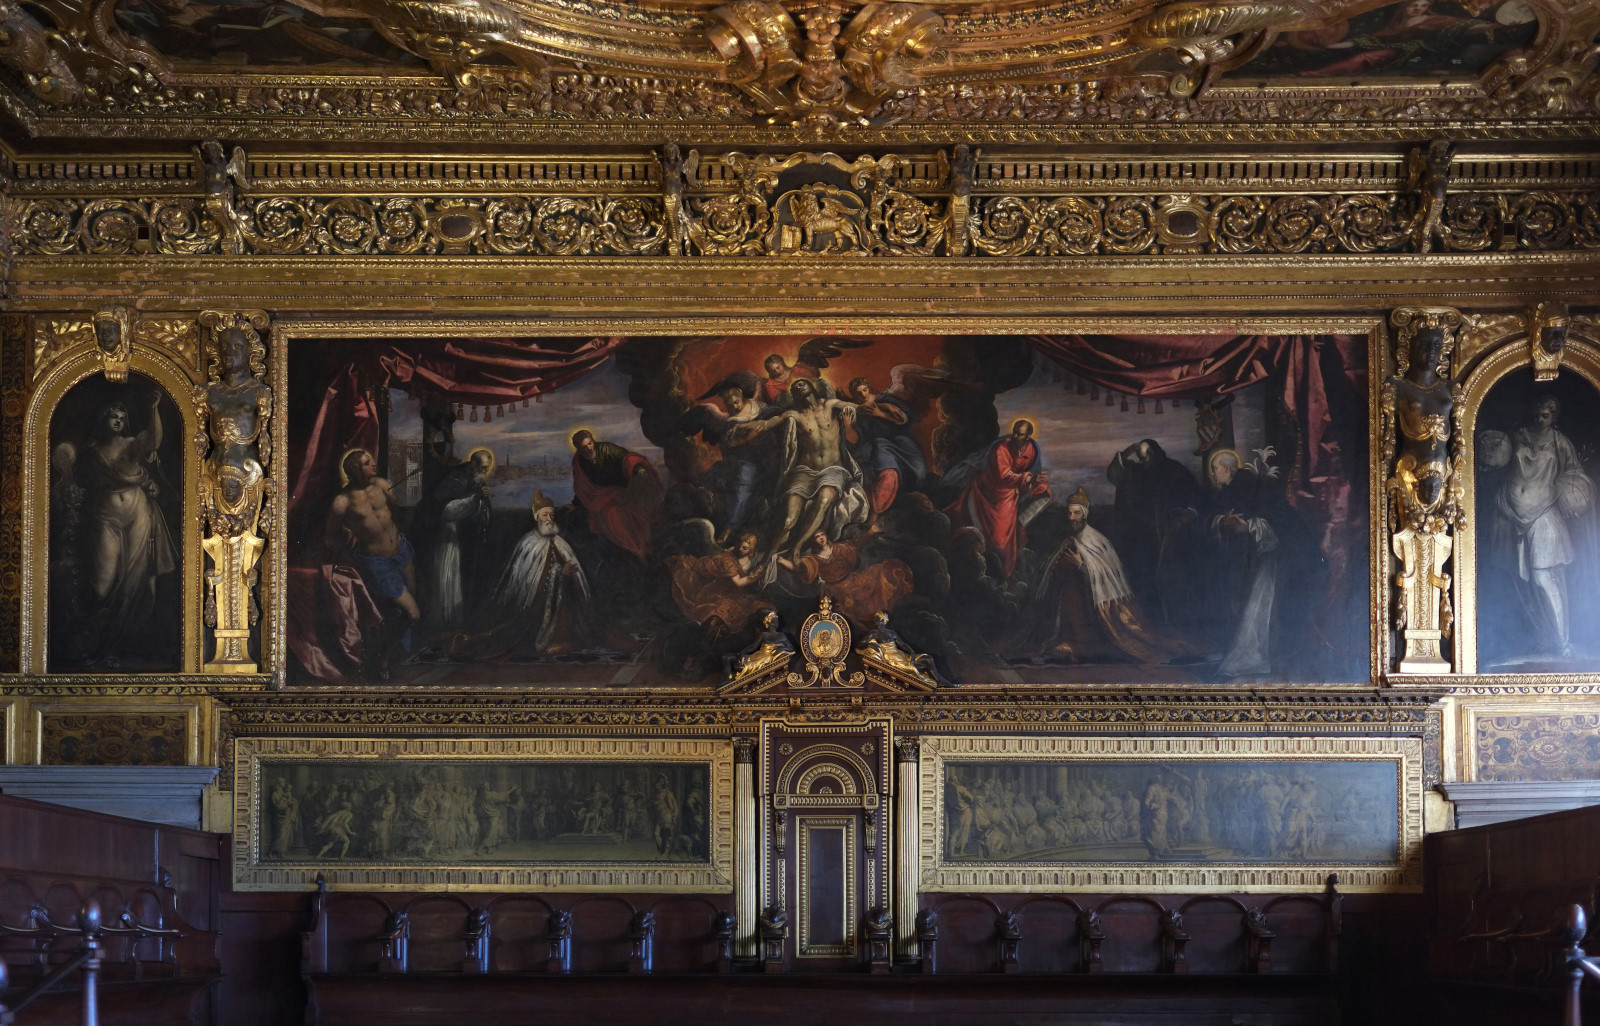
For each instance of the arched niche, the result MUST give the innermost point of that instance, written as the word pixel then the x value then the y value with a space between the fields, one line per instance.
pixel 111 575
pixel 1528 573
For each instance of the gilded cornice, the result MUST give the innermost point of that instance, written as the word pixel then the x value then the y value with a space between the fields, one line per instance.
pixel 774 72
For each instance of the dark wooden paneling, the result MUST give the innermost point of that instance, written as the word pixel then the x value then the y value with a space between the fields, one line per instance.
pixel 824 1000
pixel 55 859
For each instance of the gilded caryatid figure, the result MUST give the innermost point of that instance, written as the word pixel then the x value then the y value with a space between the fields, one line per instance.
pixel 235 449
pixel 1422 411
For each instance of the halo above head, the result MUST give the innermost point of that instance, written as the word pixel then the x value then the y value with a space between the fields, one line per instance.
pixel 344 475
pixel 489 452
pixel 1033 429
pixel 1211 462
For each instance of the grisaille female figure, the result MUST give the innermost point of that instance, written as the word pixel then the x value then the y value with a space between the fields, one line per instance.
pixel 112 541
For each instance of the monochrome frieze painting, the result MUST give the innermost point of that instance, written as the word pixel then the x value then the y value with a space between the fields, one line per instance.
pixel 1181 812
pixel 499 813
pixel 610 512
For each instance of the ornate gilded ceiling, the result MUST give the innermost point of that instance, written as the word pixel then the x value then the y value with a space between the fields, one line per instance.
pixel 755 70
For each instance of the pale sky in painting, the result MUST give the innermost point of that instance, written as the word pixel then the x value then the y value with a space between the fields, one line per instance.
pixel 539 432
pixel 1078 437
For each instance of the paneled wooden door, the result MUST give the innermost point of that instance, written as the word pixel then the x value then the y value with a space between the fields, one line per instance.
pixel 825 836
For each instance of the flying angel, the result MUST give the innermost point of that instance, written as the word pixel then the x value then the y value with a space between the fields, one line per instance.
pixel 811 361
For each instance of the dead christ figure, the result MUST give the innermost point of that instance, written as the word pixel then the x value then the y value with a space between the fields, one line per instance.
pixel 821 487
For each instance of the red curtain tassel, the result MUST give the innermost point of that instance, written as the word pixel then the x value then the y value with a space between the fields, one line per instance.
pixel 1111 399
pixel 1158 407
pixel 1124 404
pixel 524 404
pixel 1094 392
pixel 500 411
pixel 1141 404
pixel 474 417
pixel 460 412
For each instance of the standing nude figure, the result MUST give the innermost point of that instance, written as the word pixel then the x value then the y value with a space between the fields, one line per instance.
pixel 361 524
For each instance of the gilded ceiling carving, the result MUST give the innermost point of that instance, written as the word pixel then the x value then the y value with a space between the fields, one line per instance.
pixel 823 65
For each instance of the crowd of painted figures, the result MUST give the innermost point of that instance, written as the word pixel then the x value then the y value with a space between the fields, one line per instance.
pixel 1235 812
pixel 432 814
pixel 788 487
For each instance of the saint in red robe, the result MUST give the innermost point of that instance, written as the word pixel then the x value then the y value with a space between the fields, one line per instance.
pixel 620 491
pixel 991 500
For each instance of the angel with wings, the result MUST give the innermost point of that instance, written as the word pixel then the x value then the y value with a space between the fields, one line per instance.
pixel 811 361
pixel 732 401
pixel 122 540
pixel 882 425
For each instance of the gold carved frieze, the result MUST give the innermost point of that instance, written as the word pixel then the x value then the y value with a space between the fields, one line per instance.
pixel 947 202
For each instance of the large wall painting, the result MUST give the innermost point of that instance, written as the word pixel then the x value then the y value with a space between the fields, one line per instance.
pixel 1537 530
pixel 116 528
pixel 618 813
pixel 1415 37
pixel 1032 813
pixel 622 512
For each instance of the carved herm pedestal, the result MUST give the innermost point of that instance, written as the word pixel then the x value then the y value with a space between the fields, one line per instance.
pixel 1422 413
pixel 235 447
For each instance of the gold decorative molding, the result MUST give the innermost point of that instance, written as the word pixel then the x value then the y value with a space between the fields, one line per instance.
pixel 1421 411
pixel 53 336
pixel 838 67
pixel 234 410
pixel 179 336
pixel 76 55
pixel 947 202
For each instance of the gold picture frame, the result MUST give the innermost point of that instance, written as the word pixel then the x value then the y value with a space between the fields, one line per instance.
pixel 371 767
pixel 1384 766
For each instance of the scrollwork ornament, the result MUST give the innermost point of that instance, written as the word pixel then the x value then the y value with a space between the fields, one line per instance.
pixel 1471 222
pixel 1365 223
pixel 1421 411
pixel 235 446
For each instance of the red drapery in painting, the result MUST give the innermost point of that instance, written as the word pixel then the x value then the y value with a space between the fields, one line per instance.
pixel 494 372
pixel 1317 385
pixel 1316 417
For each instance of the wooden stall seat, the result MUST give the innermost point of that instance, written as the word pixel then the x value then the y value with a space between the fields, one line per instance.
pixel 418 958
pixel 85 896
